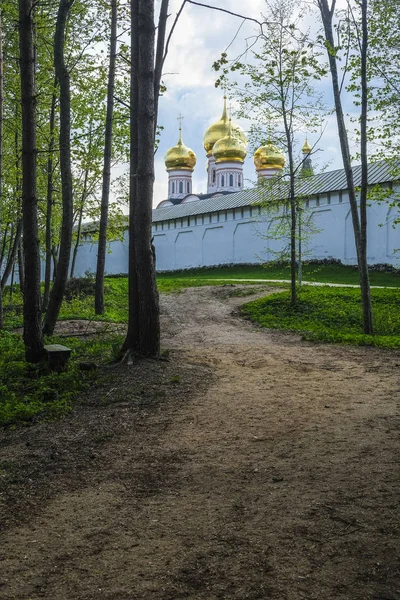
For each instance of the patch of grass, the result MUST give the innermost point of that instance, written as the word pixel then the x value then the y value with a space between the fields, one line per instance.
pixel 324 273
pixel 331 315
pixel 29 392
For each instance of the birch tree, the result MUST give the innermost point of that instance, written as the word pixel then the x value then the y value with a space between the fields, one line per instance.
pixel 359 214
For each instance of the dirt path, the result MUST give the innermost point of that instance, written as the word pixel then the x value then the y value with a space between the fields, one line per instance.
pixel 250 466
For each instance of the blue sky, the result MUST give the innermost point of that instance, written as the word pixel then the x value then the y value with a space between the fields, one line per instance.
pixel 199 38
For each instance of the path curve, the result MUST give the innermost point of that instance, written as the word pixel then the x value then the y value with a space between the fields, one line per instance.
pixel 271 473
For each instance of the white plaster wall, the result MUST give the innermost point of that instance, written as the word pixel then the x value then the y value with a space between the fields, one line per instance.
pixel 242 236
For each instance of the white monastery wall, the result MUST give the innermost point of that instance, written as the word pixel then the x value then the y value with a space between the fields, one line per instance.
pixel 243 235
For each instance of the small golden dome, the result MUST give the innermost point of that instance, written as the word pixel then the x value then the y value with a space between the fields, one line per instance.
pixel 229 148
pixel 269 157
pixel 306 149
pixel 219 130
pixel 180 156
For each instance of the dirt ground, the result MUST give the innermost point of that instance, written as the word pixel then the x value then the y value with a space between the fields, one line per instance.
pixel 250 465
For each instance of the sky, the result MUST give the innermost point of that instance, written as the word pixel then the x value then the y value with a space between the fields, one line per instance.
pixel 198 40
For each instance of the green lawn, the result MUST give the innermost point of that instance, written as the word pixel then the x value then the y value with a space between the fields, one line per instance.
pixel 331 315
pixel 323 273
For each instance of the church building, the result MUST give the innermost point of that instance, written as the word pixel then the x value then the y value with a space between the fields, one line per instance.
pixel 232 225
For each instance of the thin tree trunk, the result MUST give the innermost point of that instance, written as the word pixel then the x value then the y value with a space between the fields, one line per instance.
pixel 57 292
pixel 80 218
pixel 101 248
pixel 32 315
pixel 292 196
pixel 12 254
pixel 54 255
pixel 12 283
pixel 49 203
pixel 327 16
pixel 1 155
pixel 21 270
pixel 159 62
pixel 4 244
pixel 364 275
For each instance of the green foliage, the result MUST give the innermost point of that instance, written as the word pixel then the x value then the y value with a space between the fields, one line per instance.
pixel 331 315
pixel 30 392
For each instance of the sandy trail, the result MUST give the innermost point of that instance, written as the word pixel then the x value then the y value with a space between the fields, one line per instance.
pixel 251 466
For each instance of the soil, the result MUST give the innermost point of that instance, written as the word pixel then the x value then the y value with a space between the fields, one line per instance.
pixel 247 464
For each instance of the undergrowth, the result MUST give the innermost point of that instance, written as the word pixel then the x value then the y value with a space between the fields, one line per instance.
pixel 30 392
pixel 331 315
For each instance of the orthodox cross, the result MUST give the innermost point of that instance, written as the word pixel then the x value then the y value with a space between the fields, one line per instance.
pixel 180 119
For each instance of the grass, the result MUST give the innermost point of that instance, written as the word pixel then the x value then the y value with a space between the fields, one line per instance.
pixel 31 392
pixel 331 315
pixel 324 273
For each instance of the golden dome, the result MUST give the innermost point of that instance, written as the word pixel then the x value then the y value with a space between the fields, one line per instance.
pixel 269 157
pixel 219 130
pixel 306 149
pixel 180 156
pixel 229 148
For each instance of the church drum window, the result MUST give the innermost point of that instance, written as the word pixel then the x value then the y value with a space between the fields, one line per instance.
pixel 222 180
pixel 231 180
pixel 173 187
pixel 181 187
pixel 213 175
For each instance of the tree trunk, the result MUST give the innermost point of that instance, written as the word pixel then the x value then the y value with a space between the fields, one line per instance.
pixel 1 157
pixel 101 249
pixel 32 316
pixel 364 275
pixel 327 16
pixel 4 244
pixel 79 229
pixel 49 203
pixel 21 270
pixel 12 254
pixel 143 325
pixel 149 332
pixel 57 292
pixel 292 196
pixel 162 25
pixel 132 337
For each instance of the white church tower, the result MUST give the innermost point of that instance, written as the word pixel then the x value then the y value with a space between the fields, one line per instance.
pixel 229 154
pixel 180 162
pixel 213 134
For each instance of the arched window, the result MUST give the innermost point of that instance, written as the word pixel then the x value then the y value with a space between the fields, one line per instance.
pixel 213 175
pixel 238 180
pixel 222 180
pixel 231 180
pixel 181 187
pixel 173 187
pixel 187 187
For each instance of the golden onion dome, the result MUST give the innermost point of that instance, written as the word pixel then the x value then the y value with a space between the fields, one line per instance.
pixel 180 156
pixel 229 148
pixel 219 130
pixel 306 149
pixel 269 157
